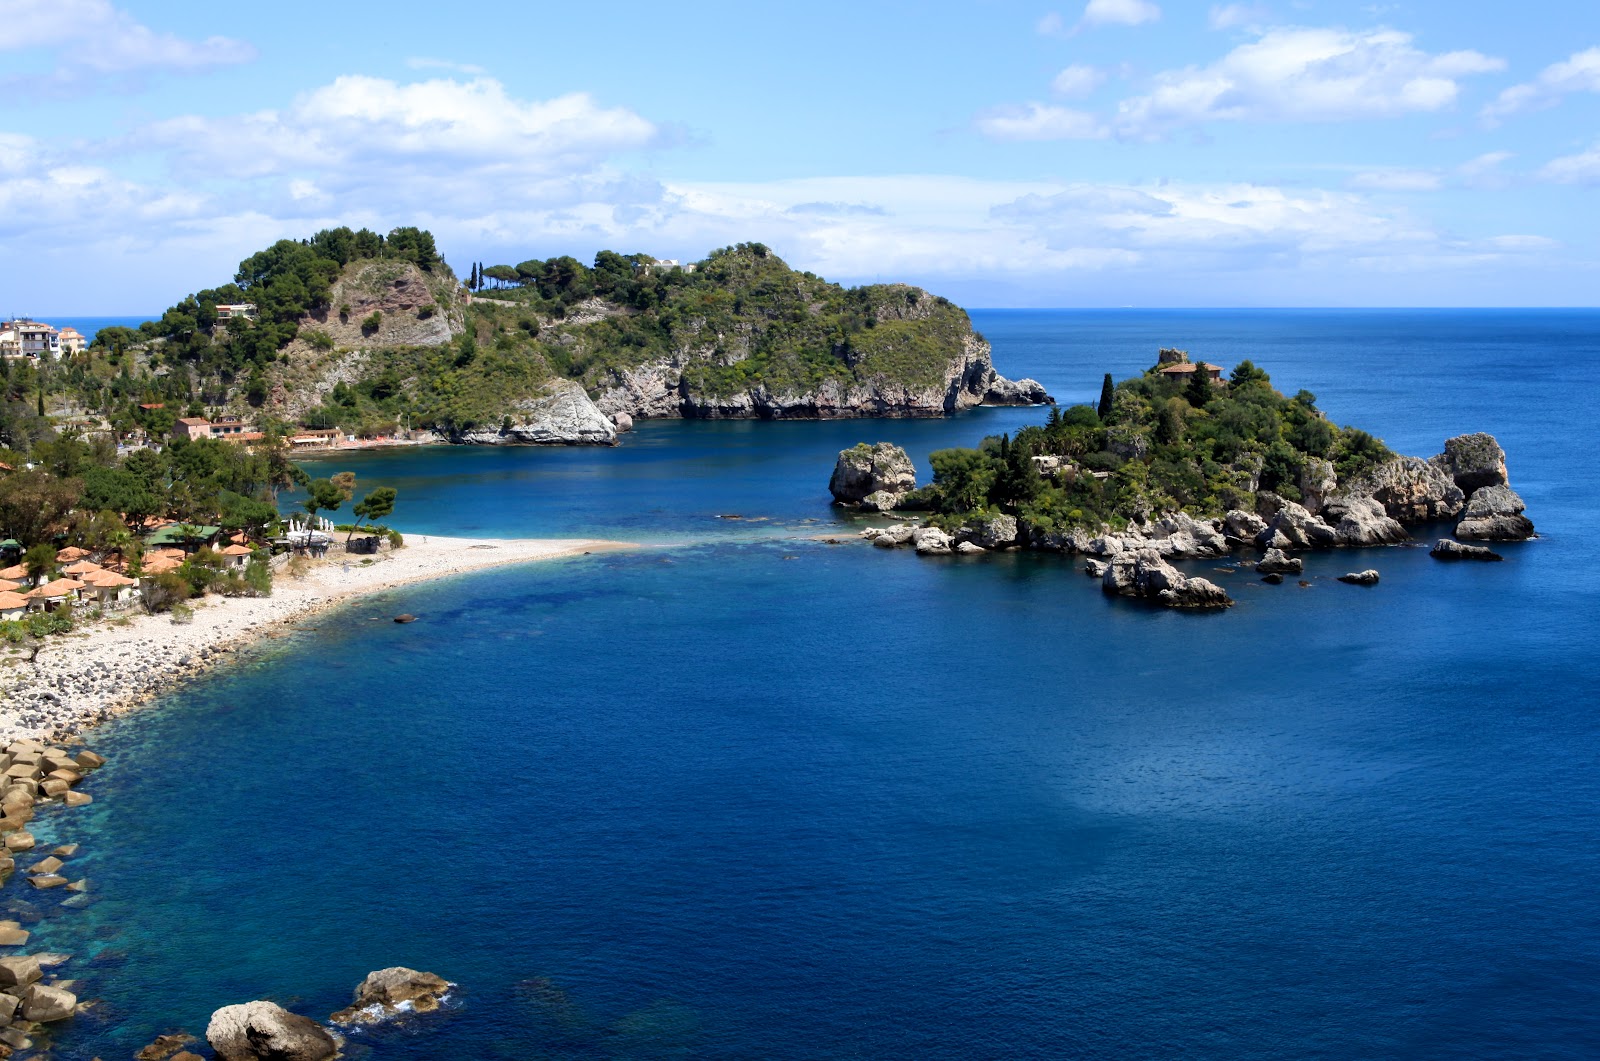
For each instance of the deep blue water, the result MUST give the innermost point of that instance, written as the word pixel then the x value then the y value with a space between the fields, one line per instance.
pixel 744 794
pixel 90 325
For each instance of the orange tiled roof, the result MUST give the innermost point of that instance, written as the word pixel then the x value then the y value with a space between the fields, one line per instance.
pixel 6 585
pixel 1186 367
pixel 160 564
pixel 237 550
pixel 82 567
pixel 10 601
pixel 15 571
pixel 108 578
pixel 71 553
pixel 59 588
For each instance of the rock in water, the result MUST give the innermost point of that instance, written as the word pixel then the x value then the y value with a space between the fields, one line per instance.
pixel 931 541
pixel 263 1031
pixel 1144 574
pixel 990 532
pixel 1445 549
pixel 1277 563
pixel 865 471
pixel 406 618
pixel 1411 490
pixel 1292 527
pixel 1473 461
pixel 1272 580
pixel 45 1004
pixel 1369 577
pixel 1362 521
pixel 1494 514
pixel 384 992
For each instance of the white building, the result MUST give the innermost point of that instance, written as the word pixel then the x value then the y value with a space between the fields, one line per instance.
pixel 27 338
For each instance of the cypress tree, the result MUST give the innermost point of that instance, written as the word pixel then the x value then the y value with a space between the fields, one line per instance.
pixel 1107 391
pixel 1199 386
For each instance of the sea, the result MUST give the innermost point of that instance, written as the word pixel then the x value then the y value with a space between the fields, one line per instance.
pixel 745 794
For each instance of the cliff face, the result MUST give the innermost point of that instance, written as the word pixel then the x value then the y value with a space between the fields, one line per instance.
pixel 413 308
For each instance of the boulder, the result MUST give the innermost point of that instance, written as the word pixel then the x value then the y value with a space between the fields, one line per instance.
pixel 164 1046
pixel 880 501
pixel 1273 579
pixel 1445 549
pixel 1473 461
pixel 890 537
pixel 1292 527
pixel 1369 577
pixel 77 799
pixel 21 841
pixel 13 935
pixel 88 760
pixel 1145 575
pixel 931 541
pixel 562 416
pixel 1410 490
pixel 45 1004
pixel 1362 521
pixel 46 881
pixel 386 991
pixel 990 532
pixel 1181 535
pixel 1317 483
pixel 20 971
pixel 1494 514
pixel 864 470
pixel 969 549
pixel 46 865
pixel 1241 526
pixel 1276 563
pixel 1004 391
pixel 622 422
pixel 1095 568
pixel 264 1031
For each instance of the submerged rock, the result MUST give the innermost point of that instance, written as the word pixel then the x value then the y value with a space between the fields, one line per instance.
pixel 1145 575
pixel 1494 514
pixel 864 470
pixel 1445 549
pixel 385 992
pixel 265 1031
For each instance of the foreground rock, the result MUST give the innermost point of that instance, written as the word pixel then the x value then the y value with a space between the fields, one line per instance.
pixel 882 472
pixel 1494 514
pixel 389 991
pixel 1445 549
pixel 1473 461
pixel 264 1031
pixel 1411 490
pixel 562 417
pixel 1145 575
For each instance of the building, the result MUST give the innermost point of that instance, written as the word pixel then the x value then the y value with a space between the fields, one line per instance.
pixel 111 590
pixel 1186 369
pixel 191 428
pixel 72 341
pixel 314 438
pixel 223 426
pixel 246 310
pixel 13 606
pixel 28 338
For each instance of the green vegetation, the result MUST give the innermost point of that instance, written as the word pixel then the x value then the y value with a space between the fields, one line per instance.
pixel 1164 446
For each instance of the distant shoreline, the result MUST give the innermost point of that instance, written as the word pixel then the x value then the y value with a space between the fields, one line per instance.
pixel 113 667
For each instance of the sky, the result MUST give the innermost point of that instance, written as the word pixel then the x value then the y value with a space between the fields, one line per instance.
pixel 1072 153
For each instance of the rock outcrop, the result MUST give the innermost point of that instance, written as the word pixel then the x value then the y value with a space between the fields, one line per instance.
pixel 564 416
pixel 990 532
pixel 1411 490
pixel 931 541
pixel 1292 527
pixel 1277 563
pixel 387 992
pixel 1369 577
pixel 265 1031
pixel 1362 521
pixel 882 472
pixel 1143 574
pixel 1445 549
pixel 1494 514
pixel 1473 461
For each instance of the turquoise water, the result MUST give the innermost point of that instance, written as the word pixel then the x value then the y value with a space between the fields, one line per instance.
pixel 744 794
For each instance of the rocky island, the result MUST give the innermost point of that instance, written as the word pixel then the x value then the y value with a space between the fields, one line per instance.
pixel 1181 463
pixel 375 336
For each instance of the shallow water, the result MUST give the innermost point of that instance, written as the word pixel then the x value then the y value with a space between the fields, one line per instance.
pixel 745 794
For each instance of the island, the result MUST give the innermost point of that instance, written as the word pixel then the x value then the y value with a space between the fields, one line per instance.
pixel 349 335
pixel 1182 462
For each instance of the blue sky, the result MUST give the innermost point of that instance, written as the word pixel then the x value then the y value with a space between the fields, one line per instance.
pixel 1082 153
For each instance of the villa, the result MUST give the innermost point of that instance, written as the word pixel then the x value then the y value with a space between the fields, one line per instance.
pixel 13 606
pixel 244 310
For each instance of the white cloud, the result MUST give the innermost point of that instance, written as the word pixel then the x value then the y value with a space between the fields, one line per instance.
pixel 1077 80
pixel 95 39
pixel 1305 74
pixel 1398 180
pixel 1119 13
pixel 1582 168
pixel 1041 121
pixel 1229 16
pixel 1577 73
pixel 361 131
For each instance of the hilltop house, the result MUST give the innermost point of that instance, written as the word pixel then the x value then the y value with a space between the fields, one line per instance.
pixel 1175 364
pixel 245 310
pixel 26 338
pixel 72 341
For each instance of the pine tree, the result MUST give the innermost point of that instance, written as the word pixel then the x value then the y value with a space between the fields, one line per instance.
pixel 1108 391
pixel 1199 386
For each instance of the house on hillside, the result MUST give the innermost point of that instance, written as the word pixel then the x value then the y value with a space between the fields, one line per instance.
pixel 1175 364
pixel 72 341
pixel 245 310
pixel 191 428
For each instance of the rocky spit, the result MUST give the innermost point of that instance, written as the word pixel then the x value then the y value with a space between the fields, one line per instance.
pixel 115 665
pixel 1468 482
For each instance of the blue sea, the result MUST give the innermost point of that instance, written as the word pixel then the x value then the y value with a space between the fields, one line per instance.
pixel 745 794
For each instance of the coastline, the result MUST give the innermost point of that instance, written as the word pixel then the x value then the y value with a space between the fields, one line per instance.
pixel 119 664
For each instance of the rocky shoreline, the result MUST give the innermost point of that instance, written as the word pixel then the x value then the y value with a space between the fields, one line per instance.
pixel 117 665
pixel 1467 482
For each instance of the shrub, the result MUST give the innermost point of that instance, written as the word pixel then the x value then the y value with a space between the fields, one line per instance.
pixel 164 591
pixel 372 323
pixel 319 340
pixel 396 540
pixel 426 311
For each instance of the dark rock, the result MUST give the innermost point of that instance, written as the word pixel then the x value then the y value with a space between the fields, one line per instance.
pixel 406 618
pixel 1276 563
pixel 1445 549
pixel 1473 461
pixel 1273 579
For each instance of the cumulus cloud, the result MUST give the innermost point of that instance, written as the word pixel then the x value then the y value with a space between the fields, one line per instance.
pixel 1077 80
pixel 1119 13
pixel 1041 121
pixel 93 40
pixel 1581 168
pixel 365 131
pixel 1228 16
pixel 1577 73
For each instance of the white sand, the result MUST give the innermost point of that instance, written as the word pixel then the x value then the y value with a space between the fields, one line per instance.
pixel 109 667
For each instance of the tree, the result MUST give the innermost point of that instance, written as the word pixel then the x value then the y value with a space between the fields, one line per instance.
pixel 346 482
pixel 33 503
pixel 323 495
pixel 963 478
pixel 1245 372
pixel 1199 392
pixel 40 560
pixel 1108 392
pixel 374 506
